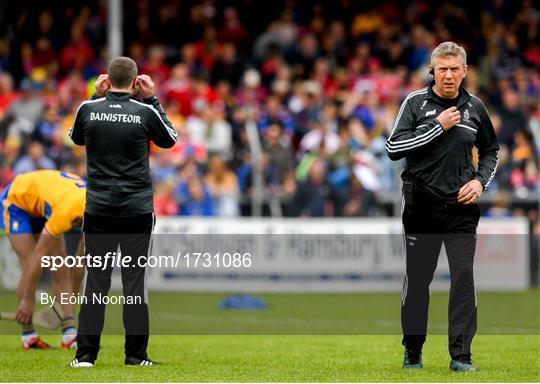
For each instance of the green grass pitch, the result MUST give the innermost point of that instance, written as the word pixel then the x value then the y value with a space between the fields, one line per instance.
pixel 298 338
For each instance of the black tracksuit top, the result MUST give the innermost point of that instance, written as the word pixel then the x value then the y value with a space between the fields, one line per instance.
pixel 440 162
pixel 117 131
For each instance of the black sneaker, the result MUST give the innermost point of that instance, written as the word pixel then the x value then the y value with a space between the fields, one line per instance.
pixel 463 364
pixel 412 359
pixel 130 360
pixel 85 361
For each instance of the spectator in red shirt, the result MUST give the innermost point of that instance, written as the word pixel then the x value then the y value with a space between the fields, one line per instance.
pixel 179 89
pixel 78 53
pixel 233 30
pixel 7 93
pixel 155 66
pixel 164 201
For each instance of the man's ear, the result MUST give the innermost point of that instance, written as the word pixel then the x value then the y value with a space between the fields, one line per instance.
pixel 464 70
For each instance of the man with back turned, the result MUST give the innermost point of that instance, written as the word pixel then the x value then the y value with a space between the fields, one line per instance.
pixel 435 131
pixel 116 130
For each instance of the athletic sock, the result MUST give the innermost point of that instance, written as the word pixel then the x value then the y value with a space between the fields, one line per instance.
pixel 28 333
pixel 68 321
pixel 68 329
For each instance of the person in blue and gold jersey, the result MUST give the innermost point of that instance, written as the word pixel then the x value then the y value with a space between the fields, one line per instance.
pixel 36 209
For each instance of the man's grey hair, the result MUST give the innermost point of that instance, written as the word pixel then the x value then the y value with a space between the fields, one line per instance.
pixel 448 48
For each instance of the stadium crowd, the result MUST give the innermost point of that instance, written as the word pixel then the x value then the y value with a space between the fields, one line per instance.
pixel 315 85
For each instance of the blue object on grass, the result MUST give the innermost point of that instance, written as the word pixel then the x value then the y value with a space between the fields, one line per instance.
pixel 242 301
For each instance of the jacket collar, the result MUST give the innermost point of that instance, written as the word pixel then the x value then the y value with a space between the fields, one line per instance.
pixel 464 96
pixel 118 96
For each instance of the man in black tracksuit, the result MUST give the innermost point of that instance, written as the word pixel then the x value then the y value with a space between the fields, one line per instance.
pixel 117 131
pixel 435 131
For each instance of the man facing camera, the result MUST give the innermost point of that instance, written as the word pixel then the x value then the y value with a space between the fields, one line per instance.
pixel 435 131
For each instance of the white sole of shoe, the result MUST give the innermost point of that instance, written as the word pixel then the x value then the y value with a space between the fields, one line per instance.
pixel 82 364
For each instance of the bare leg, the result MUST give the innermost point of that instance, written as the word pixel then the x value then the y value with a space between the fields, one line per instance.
pixel 61 278
pixel 23 245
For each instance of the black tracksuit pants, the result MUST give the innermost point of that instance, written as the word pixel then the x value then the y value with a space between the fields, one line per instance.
pixel 429 222
pixel 132 235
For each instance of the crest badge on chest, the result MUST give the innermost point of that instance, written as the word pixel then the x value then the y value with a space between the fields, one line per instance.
pixel 466 115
